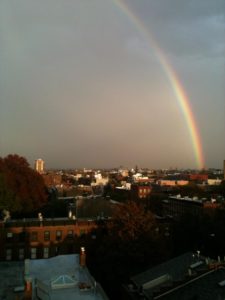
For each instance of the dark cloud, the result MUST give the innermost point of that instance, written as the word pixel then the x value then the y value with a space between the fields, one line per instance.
pixel 185 27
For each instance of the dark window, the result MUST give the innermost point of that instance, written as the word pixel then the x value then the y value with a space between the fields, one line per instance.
pixel 21 253
pixel 47 235
pixel 8 254
pixel 82 232
pixel 34 236
pixel 70 234
pixel 58 235
pixel 22 236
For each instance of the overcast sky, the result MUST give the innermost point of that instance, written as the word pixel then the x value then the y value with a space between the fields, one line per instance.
pixel 82 86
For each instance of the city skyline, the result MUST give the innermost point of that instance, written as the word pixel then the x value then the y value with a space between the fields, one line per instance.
pixel 107 83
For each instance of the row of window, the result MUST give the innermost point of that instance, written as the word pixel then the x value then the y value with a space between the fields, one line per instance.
pixel 144 191
pixel 33 253
pixel 47 235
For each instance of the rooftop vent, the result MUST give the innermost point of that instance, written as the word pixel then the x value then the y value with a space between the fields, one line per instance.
pixel 197 264
pixel 157 281
pixel 222 283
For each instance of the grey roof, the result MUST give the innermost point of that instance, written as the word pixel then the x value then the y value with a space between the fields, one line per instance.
pixel 62 277
pixel 11 276
pixel 185 277
pixel 177 268
pixel 203 288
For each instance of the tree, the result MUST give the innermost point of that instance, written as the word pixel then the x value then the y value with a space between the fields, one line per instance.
pixel 126 245
pixel 131 221
pixel 22 189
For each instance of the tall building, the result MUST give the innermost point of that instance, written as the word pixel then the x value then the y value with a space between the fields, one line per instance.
pixel 39 165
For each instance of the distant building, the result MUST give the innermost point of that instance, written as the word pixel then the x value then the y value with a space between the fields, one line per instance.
pixel 140 191
pixel 176 206
pixel 170 182
pixel 52 179
pixel 39 165
pixel 198 177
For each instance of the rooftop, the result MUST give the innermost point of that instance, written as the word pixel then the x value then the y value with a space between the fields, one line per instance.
pixel 184 277
pixel 62 277
pixel 11 277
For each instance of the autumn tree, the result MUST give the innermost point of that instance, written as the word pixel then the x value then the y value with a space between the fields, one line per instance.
pixel 131 221
pixel 126 245
pixel 22 189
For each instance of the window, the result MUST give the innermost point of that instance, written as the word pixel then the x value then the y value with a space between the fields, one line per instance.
pixel 34 236
pixel 21 253
pixel 8 254
pixel 9 235
pixel 58 235
pixel 47 235
pixel 22 236
pixel 82 232
pixel 45 252
pixel 33 253
pixel 70 234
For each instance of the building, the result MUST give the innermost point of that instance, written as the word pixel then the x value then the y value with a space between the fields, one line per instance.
pixel 176 206
pixel 198 177
pixel 41 238
pixel 187 277
pixel 140 191
pixel 52 179
pixel 39 165
pixel 171 182
pixel 61 277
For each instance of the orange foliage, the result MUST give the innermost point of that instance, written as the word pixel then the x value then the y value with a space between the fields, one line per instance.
pixel 131 220
pixel 26 186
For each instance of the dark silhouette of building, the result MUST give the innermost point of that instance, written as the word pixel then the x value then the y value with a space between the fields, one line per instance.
pixel 189 276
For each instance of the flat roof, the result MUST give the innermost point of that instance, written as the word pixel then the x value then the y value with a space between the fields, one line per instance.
pixel 62 277
pixel 11 277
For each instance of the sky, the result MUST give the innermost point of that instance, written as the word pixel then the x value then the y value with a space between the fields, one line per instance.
pixel 82 84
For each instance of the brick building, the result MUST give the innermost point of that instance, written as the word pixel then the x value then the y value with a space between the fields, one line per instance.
pixel 140 191
pixel 32 238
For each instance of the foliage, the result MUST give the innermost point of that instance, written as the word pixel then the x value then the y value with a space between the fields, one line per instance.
pixel 22 189
pixel 124 246
pixel 131 221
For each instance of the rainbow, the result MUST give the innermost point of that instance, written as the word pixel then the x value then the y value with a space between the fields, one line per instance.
pixel 175 83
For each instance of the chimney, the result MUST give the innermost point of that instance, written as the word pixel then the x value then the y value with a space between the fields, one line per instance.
pixel 82 257
pixel 28 285
pixel 28 289
pixel 26 268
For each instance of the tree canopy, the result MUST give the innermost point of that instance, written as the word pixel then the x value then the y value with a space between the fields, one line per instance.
pixel 22 189
pixel 132 220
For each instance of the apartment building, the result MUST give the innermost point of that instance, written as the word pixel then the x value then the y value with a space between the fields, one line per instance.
pixel 37 238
